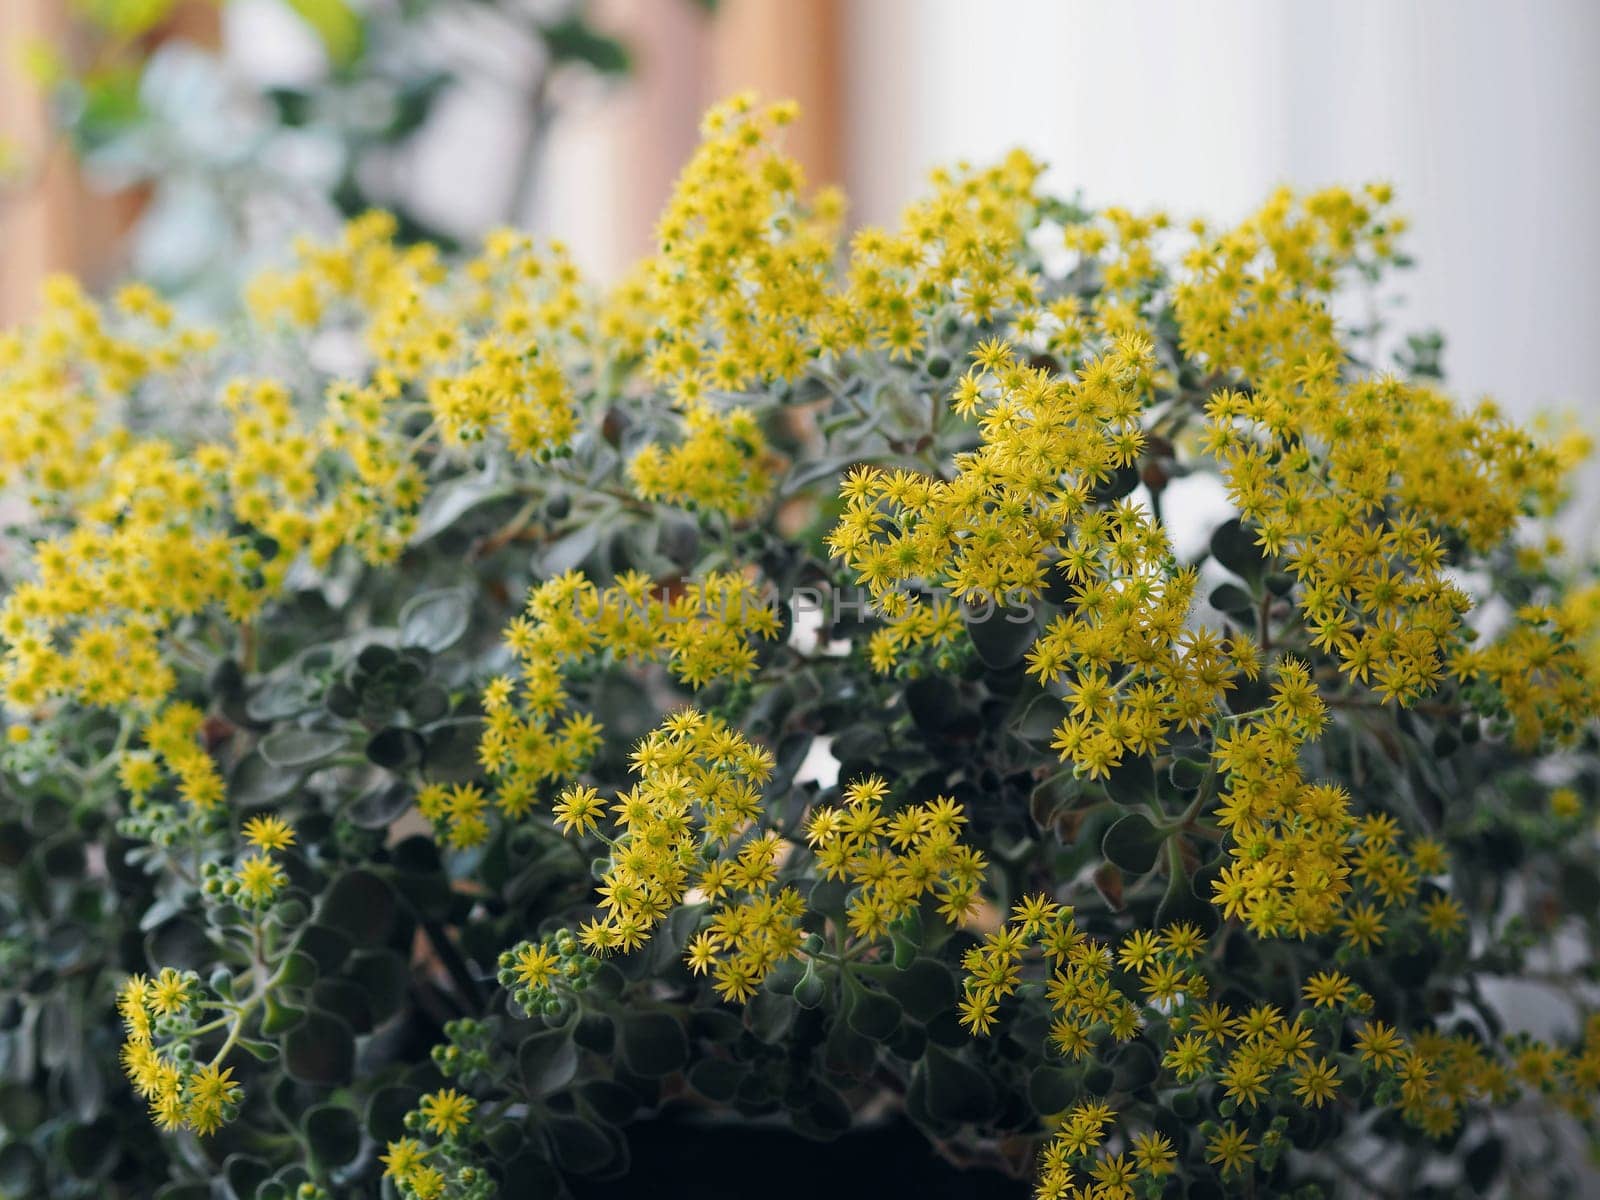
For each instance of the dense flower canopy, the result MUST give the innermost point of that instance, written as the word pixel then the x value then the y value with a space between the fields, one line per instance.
pixel 989 438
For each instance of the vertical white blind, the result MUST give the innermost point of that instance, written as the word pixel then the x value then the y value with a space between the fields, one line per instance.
pixel 1484 114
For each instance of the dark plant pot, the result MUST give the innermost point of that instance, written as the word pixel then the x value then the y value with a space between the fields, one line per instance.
pixel 726 1161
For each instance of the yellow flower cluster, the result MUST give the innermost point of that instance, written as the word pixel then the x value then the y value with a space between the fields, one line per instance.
pixel 1081 992
pixel 722 465
pixel 956 253
pixel 358 274
pixel 1257 1055
pixel 1430 1076
pixel 1289 839
pixel 490 345
pixel 181 1093
pixel 702 631
pixel 689 828
pixel 1542 669
pixel 742 274
pixel 144 551
pixel 165 1017
pixel 1085 1001
pixel 542 322
pixel 175 751
pixel 1022 501
pixel 1329 480
pixel 745 941
pixel 436 1171
pixel 893 861
pixel 154 536
pixel 273 473
pixel 1357 483
pixel 1150 1157
pixel 742 291
pixel 1254 297
pixel 733 297
pixel 1580 615
pixel 1353 484
pixel 460 812
pixel 155 548
pixel 691 831
pixel 405 1161
pixel 1121 244
pixel 64 372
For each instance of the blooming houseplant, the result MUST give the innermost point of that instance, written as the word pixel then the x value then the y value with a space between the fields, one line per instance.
pixel 465 714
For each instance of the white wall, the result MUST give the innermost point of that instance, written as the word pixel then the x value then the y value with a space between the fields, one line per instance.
pixel 1483 113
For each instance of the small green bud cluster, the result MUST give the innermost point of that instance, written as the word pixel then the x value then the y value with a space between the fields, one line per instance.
pixel 541 977
pixel 466 1048
pixel 1273 1142
pixel 166 824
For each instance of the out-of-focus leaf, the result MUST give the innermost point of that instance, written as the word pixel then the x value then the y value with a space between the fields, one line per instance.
pixel 573 40
pixel 338 27
pixel 436 620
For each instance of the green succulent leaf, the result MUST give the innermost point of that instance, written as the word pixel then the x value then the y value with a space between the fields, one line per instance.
pixel 320 1050
pixel 1235 547
pixel 956 1090
pixel 653 1043
pixel 548 1061
pixel 333 1134
pixel 300 748
pixel 1133 843
pixel 435 621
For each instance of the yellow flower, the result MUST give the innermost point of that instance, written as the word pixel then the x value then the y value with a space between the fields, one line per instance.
pixel 1443 915
pixel 578 810
pixel 1317 1082
pixel 169 994
pixel 1184 940
pixel 1429 856
pixel 977 1011
pixel 138 772
pixel 259 878
pixel 403 1157
pixel 1379 1045
pixel 1113 1173
pixel 133 998
pixel 1328 989
pixel 446 1112
pixel 1564 803
pixel 1154 1154
pixel 1363 926
pixel 701 953
pixel 1139 950
pixel 208 1093
pixel 535 965
pixel 1245 1079
pixel 426 1182
pixel 1230 1149
pixel 268 832
pixel 722 465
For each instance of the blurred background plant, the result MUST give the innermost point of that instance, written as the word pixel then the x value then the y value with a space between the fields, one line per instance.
pixel 1449 101
pixel 233 163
